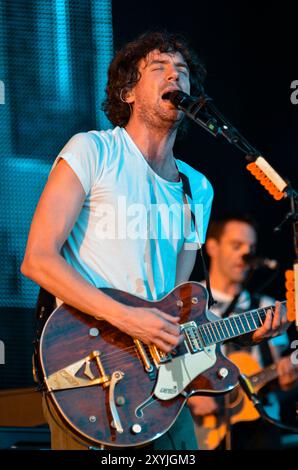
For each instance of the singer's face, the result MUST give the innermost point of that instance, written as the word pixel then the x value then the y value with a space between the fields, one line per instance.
pixel 237 240
pixel 159 73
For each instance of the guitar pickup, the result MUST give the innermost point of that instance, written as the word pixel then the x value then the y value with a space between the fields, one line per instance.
pixel 192 337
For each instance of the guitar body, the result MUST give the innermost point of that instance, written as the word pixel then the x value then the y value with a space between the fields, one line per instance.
pixel 144 404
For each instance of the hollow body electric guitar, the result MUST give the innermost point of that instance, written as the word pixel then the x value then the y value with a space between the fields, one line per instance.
pixel 114 391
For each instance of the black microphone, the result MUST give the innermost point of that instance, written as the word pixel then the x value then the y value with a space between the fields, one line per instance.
pixel 180 98
pixel 184 101
pixel 260 262
pixel 194 107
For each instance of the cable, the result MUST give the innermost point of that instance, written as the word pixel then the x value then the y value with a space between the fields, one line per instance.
pixel 249 390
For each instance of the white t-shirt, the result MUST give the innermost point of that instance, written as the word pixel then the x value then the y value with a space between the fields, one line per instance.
pixel 125 235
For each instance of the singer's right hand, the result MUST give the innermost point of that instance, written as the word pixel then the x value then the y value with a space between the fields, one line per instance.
pixel 150 325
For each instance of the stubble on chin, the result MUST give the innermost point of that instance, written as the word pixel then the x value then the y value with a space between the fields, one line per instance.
pixel 160 118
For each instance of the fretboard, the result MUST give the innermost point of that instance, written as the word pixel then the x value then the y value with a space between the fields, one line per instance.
pixel 233 326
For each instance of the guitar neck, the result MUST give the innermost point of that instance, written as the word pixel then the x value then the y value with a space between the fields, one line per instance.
pixel 236 325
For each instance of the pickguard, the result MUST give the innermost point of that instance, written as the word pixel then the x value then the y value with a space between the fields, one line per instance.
pixel 174 376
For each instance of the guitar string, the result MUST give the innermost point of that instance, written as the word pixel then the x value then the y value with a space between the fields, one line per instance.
pixel 121 355
pixel 199 327
pixel 254 313
pixel 125 353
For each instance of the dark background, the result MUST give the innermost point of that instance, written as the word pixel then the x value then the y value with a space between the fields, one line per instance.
pixel 251 57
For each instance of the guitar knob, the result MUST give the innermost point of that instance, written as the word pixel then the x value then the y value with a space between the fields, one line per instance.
pixel 179 303
pixel 120 401
pixel 222 372
pixel 194 300
pixel 93 332
pixel 136 428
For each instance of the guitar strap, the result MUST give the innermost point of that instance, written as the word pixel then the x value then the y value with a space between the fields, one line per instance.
pixel 45 305
pixel 187 192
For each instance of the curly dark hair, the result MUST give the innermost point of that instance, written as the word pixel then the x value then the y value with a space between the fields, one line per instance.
pixel 123 72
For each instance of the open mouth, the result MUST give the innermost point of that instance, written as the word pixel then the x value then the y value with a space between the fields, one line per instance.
pixel 166 96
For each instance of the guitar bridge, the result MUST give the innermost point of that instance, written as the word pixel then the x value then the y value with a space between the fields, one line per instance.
pixel 159 356
pixel 66 378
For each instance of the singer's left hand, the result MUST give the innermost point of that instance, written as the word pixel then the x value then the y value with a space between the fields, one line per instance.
pixel 273 325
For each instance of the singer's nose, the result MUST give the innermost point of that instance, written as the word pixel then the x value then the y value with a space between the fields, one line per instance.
pixel 173 74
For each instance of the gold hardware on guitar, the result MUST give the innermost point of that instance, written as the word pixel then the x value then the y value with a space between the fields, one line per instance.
pixel 66 378
pixel 144 357
pixel 159 356
pixel 116 423
pixel 105 378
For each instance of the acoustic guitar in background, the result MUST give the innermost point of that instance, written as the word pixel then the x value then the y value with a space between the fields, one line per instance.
pixel 211 429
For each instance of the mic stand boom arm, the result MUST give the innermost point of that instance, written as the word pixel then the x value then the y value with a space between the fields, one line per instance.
pixel 203 111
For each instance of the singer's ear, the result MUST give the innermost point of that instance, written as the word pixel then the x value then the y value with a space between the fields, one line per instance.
pixel 129 96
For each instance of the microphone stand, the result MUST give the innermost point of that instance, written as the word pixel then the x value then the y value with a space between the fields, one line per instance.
pixel 203 111
pixel 198 109
pixel 253 397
